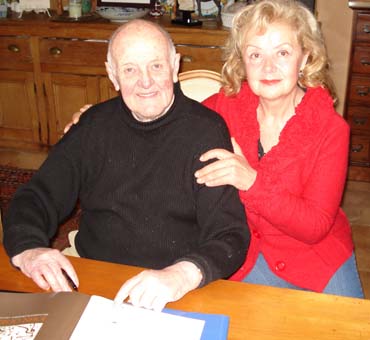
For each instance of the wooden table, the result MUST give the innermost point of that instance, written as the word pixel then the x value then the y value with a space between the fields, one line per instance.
pixel 256 312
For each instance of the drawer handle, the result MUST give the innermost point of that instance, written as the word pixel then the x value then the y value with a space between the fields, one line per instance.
pixel 366 29
pixel 14 48
pixel 187 59
pixel 360 120
pixel 362 91
pixel 357 148
pixel 365 62
pixel 55 51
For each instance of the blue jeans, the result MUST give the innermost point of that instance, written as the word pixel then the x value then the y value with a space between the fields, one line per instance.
pixel 345 281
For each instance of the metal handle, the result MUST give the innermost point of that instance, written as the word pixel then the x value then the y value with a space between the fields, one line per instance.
pixel 55 51
pixel 366 29
pixel 362 91
pixel 357 148
pixel 360 120
pixel 187 59
pixel 14 48
pixel 365 62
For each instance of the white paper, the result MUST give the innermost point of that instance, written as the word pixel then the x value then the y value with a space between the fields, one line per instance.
pixel 102 319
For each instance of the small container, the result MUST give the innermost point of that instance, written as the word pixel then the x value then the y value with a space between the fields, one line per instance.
pixel 75 8
pixel 3 9
pixel 86 6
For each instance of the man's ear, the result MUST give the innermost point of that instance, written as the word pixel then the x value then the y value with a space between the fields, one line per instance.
pixel 112 76
pixel 176 67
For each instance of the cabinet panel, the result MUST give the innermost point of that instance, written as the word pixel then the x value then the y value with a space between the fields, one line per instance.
pixel 66 94
pixel 359 119
pixel 359 151
pixel 360 90
pixel 361 60
pixel 18 109
pixel 15 53
pixel 362 29
pixel 200 57
pixel 81 53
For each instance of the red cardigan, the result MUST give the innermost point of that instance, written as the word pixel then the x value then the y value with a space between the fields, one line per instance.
pixel 293 208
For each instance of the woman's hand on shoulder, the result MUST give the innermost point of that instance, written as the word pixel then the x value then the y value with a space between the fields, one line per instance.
pixel 229 168
pixel 76 117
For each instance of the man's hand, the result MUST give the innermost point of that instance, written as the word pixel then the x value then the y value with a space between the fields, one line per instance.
pixel 152 289
pixel 76 117
pixel 44 266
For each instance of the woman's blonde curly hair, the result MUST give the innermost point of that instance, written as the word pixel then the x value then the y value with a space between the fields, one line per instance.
pixel 255 18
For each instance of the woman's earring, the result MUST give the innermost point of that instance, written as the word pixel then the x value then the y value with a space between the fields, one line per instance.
pixel 300 73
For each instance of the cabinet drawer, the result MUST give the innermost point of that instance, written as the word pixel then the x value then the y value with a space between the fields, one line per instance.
pixel 359 150
pixel 200 57
pixel 359 90
pixel 15 52
pixel 73 52
pixel 361 59
pixel 363 27
pixel 359 118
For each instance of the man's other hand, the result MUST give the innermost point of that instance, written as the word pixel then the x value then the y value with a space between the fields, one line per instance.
pixel 44 266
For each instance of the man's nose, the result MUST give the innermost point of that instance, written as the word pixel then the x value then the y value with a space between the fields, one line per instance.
pixel 146 79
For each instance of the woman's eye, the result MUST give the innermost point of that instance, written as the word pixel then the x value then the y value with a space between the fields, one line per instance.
pixel 283 53
pixel 255 56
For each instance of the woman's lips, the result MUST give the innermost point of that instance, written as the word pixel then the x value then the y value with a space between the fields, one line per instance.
pixel 270 81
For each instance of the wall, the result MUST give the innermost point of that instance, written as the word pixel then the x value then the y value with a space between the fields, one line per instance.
pixel 336 23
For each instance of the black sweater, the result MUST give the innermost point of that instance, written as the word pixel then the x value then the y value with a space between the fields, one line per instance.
pixel 135 182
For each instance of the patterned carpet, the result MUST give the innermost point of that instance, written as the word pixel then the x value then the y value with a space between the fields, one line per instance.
pixel 10 179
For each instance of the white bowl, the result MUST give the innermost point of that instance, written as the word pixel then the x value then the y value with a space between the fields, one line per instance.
pixel 121 14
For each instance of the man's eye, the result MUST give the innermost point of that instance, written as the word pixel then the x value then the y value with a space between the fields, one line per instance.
pixel 157 66
pixel 129 70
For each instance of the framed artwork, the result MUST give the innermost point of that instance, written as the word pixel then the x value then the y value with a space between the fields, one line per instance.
pixel 126 3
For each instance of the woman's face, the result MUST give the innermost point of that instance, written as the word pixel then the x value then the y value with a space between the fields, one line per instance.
pixel 272 62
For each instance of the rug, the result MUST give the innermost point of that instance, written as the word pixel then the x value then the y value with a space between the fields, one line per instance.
pixel 10 180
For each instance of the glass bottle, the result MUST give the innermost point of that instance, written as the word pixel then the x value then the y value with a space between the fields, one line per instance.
pixel 75 8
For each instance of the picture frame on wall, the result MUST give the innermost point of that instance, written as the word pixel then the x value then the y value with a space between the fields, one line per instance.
pixel 126 3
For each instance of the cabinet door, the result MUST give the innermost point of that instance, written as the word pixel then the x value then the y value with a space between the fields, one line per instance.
pixel 18 110
pixel 107 90
pixel 66 94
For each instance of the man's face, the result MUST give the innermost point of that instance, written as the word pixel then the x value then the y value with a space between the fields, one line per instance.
pixel 144 72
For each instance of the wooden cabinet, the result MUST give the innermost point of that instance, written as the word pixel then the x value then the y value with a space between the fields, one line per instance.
pixel 50 69
pixel 19 121
pixel 358 98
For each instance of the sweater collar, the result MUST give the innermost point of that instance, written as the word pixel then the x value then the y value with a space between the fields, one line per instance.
pixel 160 121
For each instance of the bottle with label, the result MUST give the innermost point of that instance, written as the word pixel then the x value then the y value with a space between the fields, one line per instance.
pixel 75 8
pixel 3 9
pixel 86 6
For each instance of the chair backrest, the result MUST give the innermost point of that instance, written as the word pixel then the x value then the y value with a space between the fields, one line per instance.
pixel 199 84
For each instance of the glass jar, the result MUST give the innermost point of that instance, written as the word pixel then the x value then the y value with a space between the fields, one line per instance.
pixel 75 8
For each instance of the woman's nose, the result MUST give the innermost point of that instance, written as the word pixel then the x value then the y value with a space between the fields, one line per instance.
pixel 269 64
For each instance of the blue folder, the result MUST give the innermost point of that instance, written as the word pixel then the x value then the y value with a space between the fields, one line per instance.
pixel 216 326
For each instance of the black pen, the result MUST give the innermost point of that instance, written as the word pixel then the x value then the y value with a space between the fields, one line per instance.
pixel 70 281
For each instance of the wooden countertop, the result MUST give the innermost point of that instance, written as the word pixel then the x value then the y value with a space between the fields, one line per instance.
pixel 256 312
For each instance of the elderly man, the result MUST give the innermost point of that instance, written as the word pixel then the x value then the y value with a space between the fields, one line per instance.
pixel 131 161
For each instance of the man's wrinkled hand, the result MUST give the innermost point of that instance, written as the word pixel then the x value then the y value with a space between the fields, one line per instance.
pixel 44 266
pixel 152 289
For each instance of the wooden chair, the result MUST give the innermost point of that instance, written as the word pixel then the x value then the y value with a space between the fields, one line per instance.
pixel 199 84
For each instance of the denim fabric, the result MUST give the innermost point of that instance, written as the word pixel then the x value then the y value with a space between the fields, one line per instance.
pixel 345 281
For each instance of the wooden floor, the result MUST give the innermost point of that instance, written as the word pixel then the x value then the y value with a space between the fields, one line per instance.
pixel 356 204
